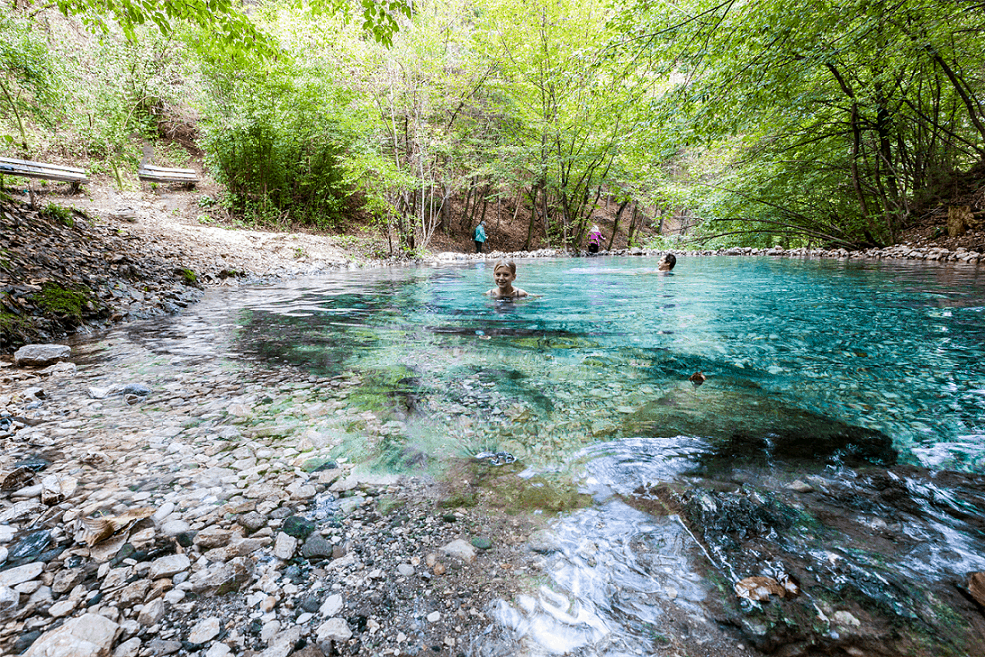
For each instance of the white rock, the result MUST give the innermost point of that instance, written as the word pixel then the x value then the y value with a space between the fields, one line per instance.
pixel 163 512
pixel 206 630
pixel 129 648
pixel 41 354
pixel 218 650
pixel 99 393
pixel 25 573
pixel 9 599
pixel 174 596
pixel 62 608
pixel 460 549
pixel 282 645
pixel 3 554
pixel 168 566
pixel 334 630
pixel 845 619
pixel 285 546
pixel 434 616
pixel 174 527
pixel 89 635
pixel 6 533
pixel 152 612
pixel 269 631
pixel 331 606
pixel 405 569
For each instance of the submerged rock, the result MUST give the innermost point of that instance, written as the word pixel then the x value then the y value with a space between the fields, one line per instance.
pixel 748 425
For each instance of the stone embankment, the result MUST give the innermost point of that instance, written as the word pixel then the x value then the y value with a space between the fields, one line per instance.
pixel 64 270
pixel 895 252
pixel 147 510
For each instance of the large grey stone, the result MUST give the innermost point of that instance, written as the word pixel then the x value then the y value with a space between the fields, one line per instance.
pixel 88 635
pixel 129 648
pixel 317 547
pixel 40 355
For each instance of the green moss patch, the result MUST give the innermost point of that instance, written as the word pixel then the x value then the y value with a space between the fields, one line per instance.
pixel 67 303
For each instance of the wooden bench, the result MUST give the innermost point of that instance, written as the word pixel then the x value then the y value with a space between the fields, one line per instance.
pixel 154 174
pixel 28 169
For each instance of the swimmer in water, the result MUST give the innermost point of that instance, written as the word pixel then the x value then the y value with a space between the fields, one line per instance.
pixel 667 262
pixel 504 273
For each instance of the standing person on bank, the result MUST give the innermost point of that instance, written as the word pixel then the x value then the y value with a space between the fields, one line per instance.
pixel 594 239
pixel 479 235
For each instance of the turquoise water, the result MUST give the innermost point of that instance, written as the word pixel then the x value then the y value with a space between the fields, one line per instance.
pixel 605 348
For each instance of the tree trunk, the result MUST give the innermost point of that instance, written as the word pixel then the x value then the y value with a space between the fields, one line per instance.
pixel 615 224
pixel 632 224
pixel 533 217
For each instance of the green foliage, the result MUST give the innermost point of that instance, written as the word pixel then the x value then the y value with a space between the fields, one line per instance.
pixel 276 144
pixel 30 86
pixel 825 122
pixel 59 213
pixel 189 277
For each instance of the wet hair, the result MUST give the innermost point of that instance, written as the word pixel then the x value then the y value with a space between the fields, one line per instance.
pixel 670 258
pixel 509 264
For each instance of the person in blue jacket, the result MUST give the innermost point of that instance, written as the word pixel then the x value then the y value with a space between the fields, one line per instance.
pixel 479 236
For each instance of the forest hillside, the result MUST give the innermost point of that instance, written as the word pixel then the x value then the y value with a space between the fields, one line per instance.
pixel 698 123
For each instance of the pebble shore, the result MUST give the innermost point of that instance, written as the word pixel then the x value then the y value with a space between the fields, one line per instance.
pixel 203 515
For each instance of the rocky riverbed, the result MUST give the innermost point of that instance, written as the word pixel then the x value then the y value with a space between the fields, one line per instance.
pixel 148 514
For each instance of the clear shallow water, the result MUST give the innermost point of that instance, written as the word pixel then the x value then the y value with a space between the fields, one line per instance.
pixel 811 366
pixel 606 347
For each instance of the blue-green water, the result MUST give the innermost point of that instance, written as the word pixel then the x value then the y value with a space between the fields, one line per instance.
pixel 822 377
pixel 605 348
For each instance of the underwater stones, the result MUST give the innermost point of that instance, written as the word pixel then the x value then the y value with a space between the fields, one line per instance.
pixel 799 486
pixel 749 426
pixel 41 355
